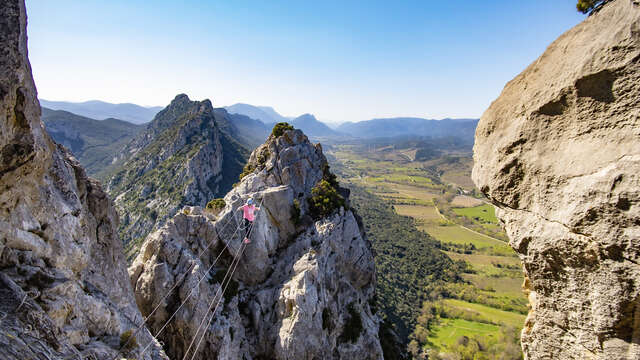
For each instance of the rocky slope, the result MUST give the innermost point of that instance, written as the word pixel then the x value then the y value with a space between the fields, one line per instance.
pixel 301 290
pixel 182 158
pixel 559 154
pixel 64 290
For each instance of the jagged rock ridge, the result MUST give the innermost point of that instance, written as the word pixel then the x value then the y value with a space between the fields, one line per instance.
pixel 559 154
pixel 182 158
pixel 302 288
pixel 64 290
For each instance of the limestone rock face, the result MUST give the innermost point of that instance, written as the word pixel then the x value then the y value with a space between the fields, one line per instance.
pixel 300 290
pixel 559 154
pixel 64 289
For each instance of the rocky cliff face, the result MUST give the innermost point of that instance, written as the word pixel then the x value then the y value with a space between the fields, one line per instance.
pixel 178 160
pixel 300 290
pixel 559 154
pixel 64 290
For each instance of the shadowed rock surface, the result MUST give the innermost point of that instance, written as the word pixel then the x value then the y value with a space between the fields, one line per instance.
pixel 301 289
pixel 559 154
pixel 64 289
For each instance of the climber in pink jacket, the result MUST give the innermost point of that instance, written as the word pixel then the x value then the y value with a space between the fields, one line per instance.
pixel 248 210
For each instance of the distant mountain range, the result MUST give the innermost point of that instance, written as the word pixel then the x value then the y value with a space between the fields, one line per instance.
pixel 463 129
pixel 266 114
pixel 391 127
pixel 312 127
pixel 95 143
pixel 101 110
pixel 254 123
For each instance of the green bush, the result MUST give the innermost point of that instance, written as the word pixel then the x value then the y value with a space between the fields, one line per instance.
pixel 248 169
pixel 585 6
pixel 128 341
pixel 216 204
pixel 280 128
pixel 353 326
pixel 324 200
pixel 329 176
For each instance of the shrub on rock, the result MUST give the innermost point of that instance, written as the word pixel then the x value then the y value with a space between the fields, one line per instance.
pixel 280 128
pixel 324 200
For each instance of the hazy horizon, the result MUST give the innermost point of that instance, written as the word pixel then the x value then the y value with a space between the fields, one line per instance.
pixel 340 62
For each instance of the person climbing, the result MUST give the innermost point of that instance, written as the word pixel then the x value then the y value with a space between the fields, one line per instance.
pixel 248 210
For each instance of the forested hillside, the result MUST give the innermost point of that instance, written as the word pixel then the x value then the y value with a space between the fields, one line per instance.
pixel 408 261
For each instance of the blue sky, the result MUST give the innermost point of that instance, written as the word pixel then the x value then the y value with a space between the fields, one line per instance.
pixel 340 60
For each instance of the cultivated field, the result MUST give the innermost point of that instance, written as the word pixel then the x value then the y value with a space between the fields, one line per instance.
pixel 464 224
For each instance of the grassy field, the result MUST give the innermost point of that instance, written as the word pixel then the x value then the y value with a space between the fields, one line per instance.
pixel 490 265
pixel 490 314
pixel 465 201
pixel 412 192
pixel 458 235
pixel 485 213
pixel 418 212
pixel 449 330
pixel 508 288
pixel 495 271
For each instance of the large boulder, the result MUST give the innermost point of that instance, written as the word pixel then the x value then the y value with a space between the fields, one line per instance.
pixel 559 154
pixel 300 290
pixel 64 289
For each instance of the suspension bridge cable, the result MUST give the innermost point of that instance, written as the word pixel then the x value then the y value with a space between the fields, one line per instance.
pixel 166 323
pixel 213 314
pixel 231 270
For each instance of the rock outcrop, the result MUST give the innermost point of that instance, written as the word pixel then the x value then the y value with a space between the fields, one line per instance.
pixel 64 289
pixel 559 154
pixel 300 290
pixel 182 158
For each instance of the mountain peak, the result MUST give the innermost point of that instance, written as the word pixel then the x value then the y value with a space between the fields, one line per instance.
pixel 184 141
pixel 306 117
pixel 180 108
pixel 312 126
pixel 180 98
pixel 266 114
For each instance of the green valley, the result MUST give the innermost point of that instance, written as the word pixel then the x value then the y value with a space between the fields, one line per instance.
pixel 469 304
